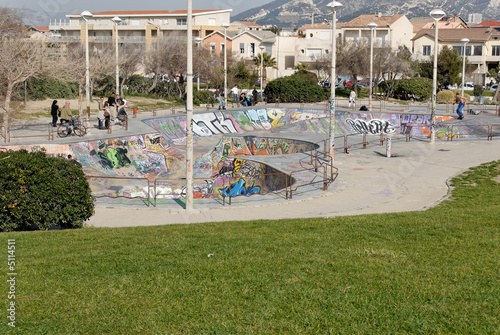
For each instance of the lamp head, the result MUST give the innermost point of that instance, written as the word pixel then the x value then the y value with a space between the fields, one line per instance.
pixel 116 20
pixel 465 40
pixel 198 40
pixel 437 14
pixel 334 5
pixel 372 25
pixel 225 25
pixel 86 15
pixel 261 47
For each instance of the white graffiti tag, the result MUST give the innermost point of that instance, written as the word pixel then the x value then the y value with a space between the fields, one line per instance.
pixel 373 127
pixel 209 124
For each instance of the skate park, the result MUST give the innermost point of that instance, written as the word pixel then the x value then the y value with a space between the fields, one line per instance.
pixel 271 162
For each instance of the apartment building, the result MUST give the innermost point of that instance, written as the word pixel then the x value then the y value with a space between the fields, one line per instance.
pixel 143 27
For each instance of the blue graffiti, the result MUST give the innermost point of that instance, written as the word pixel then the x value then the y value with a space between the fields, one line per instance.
pixel 239 188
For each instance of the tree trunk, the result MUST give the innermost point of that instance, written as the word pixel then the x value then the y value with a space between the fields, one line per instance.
pixel 80 111
pixel 497 93
pixel 153 86
pixel 6 109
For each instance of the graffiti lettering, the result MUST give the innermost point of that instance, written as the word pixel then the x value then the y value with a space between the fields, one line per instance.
pixel 113 158
pixel 240 188
pixel 212 124
pixel 373 127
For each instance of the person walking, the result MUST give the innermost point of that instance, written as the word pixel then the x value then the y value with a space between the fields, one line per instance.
pixel 100 114
pixel 352 98
pixel 461 103
pixel 54 111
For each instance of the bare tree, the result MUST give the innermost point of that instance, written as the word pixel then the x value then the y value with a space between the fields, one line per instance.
pixel 10 23
pixel 353 59
pixel 130 58
pixel 20 59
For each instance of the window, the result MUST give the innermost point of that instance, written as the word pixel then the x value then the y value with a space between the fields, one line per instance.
pixel 478 50
pixel 468 50
pixel 242 48
pixel 269 49
pixel 181 22
pixel 289 62
pixel 212 49
pixel 135 22
pixel 426 50
pixel 222 47
pixel 495 50
pixel 314 53
pixel 251 49
pixel 459 49
pixel 211 22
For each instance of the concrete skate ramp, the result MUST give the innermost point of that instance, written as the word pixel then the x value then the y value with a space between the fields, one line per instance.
pixel 220 135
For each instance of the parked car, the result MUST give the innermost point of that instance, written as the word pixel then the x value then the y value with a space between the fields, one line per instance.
pixel 493 87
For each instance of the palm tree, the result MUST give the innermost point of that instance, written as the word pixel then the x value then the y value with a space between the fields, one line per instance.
pixel 267 61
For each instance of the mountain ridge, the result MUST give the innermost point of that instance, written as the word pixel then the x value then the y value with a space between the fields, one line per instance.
pixel 293 13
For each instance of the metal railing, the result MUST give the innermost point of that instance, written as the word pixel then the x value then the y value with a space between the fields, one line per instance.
pixel 11 132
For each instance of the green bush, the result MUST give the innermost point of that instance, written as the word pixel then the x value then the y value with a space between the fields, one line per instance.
pixel 478 90
pixel 414 88
pixel 39 192
pixel 299 87
pixel 40 89
pixel 138 84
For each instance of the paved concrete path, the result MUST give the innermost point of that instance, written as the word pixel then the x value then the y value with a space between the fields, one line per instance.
pixel 413 179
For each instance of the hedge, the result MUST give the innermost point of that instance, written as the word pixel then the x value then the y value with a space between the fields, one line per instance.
pixel 299 87
pixel 40 192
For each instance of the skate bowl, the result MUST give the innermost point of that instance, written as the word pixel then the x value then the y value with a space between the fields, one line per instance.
pixel 233 150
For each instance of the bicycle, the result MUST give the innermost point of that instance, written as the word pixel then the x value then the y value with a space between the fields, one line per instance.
pixel 67 128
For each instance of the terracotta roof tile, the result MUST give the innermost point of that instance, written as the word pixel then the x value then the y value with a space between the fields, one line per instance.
pixel 474 35
pixel 489 23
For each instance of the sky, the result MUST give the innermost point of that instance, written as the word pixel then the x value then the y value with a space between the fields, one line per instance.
pixel 71 6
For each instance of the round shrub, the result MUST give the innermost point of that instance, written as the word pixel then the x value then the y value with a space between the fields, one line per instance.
pixel 39 89
pixel 39 192
pixel 299 87
pixel 448 96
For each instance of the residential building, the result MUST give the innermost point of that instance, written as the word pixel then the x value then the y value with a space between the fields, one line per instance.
pixel 482 51
pixel 393 31
pixel 144 26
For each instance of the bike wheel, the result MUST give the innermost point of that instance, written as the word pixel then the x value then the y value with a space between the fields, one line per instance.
pixel 81 130
pixel 62 130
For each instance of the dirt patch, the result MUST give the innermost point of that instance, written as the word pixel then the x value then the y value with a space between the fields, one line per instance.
pixel 497 179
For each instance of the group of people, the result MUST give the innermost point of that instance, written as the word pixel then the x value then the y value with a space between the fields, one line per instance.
pixel 64 114
pixel 242 98
pixel 114 109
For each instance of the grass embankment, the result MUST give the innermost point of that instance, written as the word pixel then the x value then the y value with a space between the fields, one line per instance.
pixel 421 272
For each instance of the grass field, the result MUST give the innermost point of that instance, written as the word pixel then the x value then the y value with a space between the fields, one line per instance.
pixel 432 272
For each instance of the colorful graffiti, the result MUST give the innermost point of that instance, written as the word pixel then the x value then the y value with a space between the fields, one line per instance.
pixel 240 188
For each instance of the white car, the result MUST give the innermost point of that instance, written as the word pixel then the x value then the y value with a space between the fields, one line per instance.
pixel 493 87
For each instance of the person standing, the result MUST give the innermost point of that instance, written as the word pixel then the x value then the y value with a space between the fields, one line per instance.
pixel 234 90
pixel 100 113
pixel 255 97
pixel 352 98
pixel 461 103
pixel 107 116
pixel 54 111
pixel 218 97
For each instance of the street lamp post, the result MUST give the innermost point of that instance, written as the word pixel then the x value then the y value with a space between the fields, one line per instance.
pixel 189 110
pixel 116 20
pixel 86 15
pixel 372 27
pixel 464 41
pixel 225 26
pixel 436 14
pixel 198 40
pixel 261 47
pixel 334 6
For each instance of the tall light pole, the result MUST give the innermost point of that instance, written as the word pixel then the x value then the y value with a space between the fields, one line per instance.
pixel 86 15
pixel 225 26
pixel 189 110
pixel 198 40
pixel 436 14
pixel 116 20
pixel 464 41
pixel 261 47
pixel 372 27
pixel 334 6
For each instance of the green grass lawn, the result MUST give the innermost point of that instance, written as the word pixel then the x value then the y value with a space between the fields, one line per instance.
pixel 432 272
